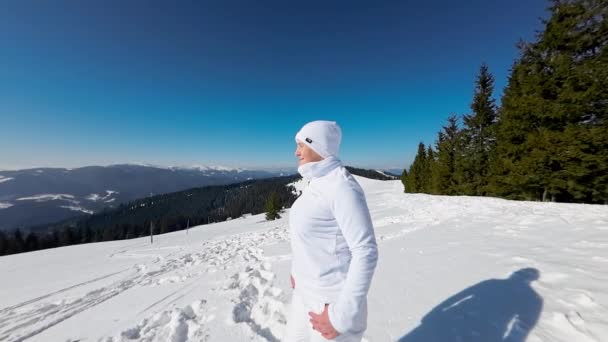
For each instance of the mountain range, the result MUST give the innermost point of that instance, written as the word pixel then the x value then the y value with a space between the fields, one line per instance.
pixel 41 195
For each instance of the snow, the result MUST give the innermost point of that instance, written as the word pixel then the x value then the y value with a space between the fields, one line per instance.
pixel 94 197
pixel 204 168
pixel 4 205
pixel 77 208
pixel 453 268
pixel 102 197
pixel 138 164
pixel 385 174
pixel 64 197
pixel 5 179
pixel 299 186
pixel 48 197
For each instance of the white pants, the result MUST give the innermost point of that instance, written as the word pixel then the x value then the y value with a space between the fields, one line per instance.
pixel 299 328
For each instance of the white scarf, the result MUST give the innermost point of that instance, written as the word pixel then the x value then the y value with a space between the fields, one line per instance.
pixel 319 169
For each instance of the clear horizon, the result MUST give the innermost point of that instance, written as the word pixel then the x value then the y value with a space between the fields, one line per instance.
pixel 246 167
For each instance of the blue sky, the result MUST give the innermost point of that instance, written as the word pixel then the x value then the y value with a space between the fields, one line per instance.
pixel 230 82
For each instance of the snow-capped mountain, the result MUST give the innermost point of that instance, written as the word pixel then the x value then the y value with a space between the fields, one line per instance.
pixel 42 195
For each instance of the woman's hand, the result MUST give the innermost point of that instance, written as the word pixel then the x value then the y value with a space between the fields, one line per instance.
pixel 293 282
pixel 322 324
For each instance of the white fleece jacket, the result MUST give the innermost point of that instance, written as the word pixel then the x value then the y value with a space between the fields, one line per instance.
pixel 333 243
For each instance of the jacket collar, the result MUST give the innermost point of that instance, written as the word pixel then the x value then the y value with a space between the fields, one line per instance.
pixel 313 170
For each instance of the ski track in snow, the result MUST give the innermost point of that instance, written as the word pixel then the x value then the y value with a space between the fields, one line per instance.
pixel 256 302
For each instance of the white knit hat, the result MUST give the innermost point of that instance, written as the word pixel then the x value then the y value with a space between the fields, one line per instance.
pixel 323 137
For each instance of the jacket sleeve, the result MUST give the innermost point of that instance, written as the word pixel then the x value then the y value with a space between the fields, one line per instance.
pixel 352 215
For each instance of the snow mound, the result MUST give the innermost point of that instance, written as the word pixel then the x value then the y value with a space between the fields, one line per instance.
pixel 177 325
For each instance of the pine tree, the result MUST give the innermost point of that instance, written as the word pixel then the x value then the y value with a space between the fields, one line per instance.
pixel 428 186
pixel 3 243
pixel 120 231
pixel 447 146
pixel 66 237
pixel 108 233
pixel 164 225
pixel 76 235
pixel 404 178
pixel 49 240
pixel 130 231
pixel 31 242
pixel 86 235
pixel 416 175
pixel 554 110
pixel 54 239
pixel 273 207
pixel 17 244
pixel 478 135
pixel 98 234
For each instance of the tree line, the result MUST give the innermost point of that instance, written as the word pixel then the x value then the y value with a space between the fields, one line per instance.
pixel 548 139
pixel 164 213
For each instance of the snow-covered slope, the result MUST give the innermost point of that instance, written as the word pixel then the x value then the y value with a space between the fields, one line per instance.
pixel 450 269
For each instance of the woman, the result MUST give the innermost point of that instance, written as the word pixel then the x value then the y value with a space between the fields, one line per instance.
pixel 333 243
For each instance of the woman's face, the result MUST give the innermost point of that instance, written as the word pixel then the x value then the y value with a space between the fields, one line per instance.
pixel 306 154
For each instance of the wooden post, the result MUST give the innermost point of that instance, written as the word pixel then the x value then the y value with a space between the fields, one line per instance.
pixel 187 226
pixel 151 232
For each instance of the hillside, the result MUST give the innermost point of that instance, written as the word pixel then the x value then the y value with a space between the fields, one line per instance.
pixel 161 213
pixel 450 268
pixel 45 195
